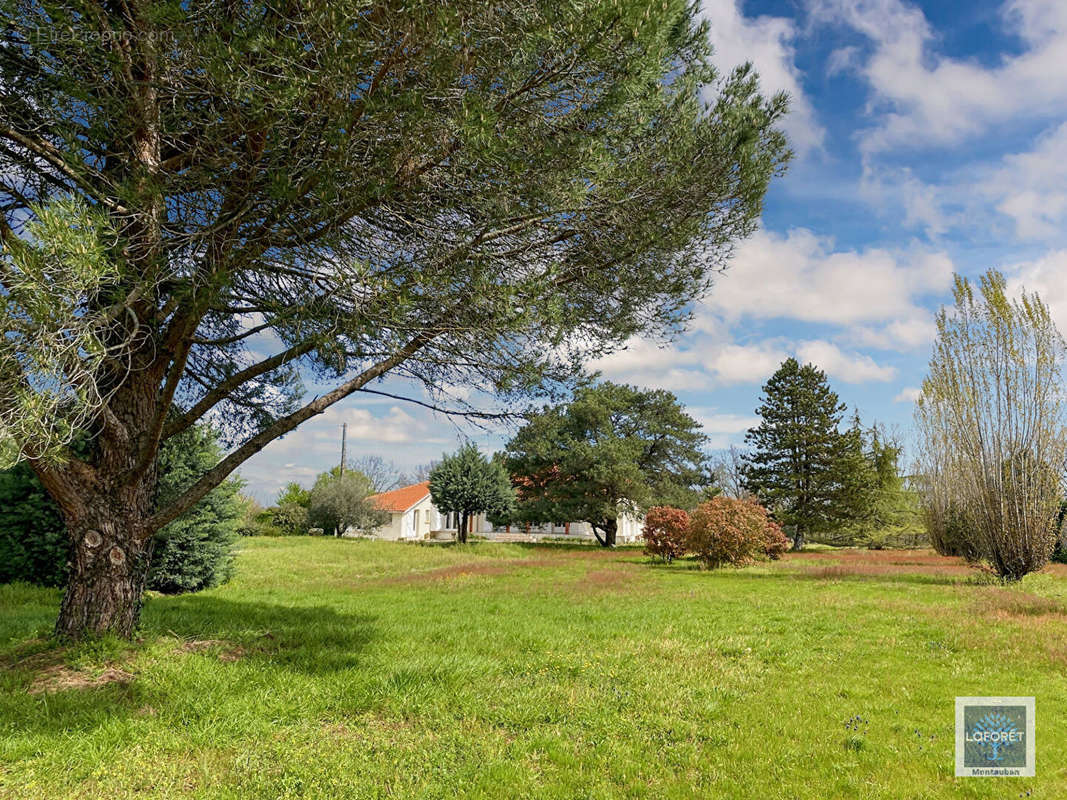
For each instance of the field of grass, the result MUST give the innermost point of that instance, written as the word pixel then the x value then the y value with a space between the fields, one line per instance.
pixel 355 669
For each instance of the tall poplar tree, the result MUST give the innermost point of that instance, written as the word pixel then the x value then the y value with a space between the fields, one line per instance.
pixel 809 473
pixel 992 423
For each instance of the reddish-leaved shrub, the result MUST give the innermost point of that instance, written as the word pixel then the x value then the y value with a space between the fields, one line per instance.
pixel 666 529
pixel 725 530
pixel 777 541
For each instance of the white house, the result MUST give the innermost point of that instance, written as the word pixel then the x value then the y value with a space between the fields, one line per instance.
pixel 414 516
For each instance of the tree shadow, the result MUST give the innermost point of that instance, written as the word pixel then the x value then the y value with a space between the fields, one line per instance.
pixel 310 639
pixel 239 638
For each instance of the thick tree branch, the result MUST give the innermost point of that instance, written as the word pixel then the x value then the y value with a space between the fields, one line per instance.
pixel 280 427
pixel 223 389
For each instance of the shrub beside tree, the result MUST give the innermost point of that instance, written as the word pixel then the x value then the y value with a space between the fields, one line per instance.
pixel 192 553
pixel 34 545
pixel 195 551
pixel 467 483
pixel 722 530
pixel 726 530
pixel 665 533
pixel 992 421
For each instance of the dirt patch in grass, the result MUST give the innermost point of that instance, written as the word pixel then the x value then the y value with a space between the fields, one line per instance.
pixel 831 565
pixel 227 651
pixel 457 571
pixel 885 570
pixel 614 579
pixel 1006 603
pixel 60 677
pixel 502 566
pixel 834 564
pixel 857 562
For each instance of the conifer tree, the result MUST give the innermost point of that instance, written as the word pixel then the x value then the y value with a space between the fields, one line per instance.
pixel 467 483
pixel 812 476
pixel 612 449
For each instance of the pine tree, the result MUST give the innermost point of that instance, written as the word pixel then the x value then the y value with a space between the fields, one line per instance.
pixel 613 448
pixel 811 475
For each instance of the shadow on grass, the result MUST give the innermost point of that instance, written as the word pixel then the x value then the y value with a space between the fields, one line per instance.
pixel 310 639
pixel 307 640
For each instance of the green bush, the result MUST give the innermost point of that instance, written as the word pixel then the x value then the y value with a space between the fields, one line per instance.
pixel 33 542
pixel 194 552
pixel 292 519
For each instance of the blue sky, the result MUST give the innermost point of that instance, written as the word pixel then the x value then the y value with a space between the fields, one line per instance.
pixel 930 138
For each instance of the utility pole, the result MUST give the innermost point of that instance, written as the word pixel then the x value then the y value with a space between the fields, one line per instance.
pixel 344 436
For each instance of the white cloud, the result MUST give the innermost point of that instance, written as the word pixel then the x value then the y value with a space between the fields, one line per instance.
pixel 723 429
pixel 736 363
pixel 801 276
pixel 924 97
pixel 906 334
pixel 767 42
pixel 849 367
pixel 897 192
pixel 909 394
pixel 702 363
pixel 715 422
pixel 1048 277
pixel 1030 187
pixel 645 363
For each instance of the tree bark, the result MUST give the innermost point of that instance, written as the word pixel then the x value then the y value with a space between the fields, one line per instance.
pixel 611 527
pixel 461 534
pixel 798 538
pixel 107 502
pixel 108 571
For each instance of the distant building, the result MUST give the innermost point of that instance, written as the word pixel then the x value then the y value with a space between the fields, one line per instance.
pixel 412 515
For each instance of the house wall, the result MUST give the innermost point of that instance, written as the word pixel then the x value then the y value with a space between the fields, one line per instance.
pixel 423 519
pixel 630 528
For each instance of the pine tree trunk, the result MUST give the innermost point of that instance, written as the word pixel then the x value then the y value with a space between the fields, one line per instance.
pixel 610 528
pixel 106 504
pixel 108 571
pixel 798 538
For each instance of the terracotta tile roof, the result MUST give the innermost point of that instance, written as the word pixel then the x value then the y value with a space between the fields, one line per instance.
pixel 401 499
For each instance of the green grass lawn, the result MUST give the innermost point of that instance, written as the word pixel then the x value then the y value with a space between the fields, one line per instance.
pixel 352 669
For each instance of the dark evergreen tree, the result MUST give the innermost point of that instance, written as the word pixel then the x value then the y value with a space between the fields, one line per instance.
pixel 813 477
pixel 194 552
pixel 612 448
pixel 467 483
pixel 34 546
